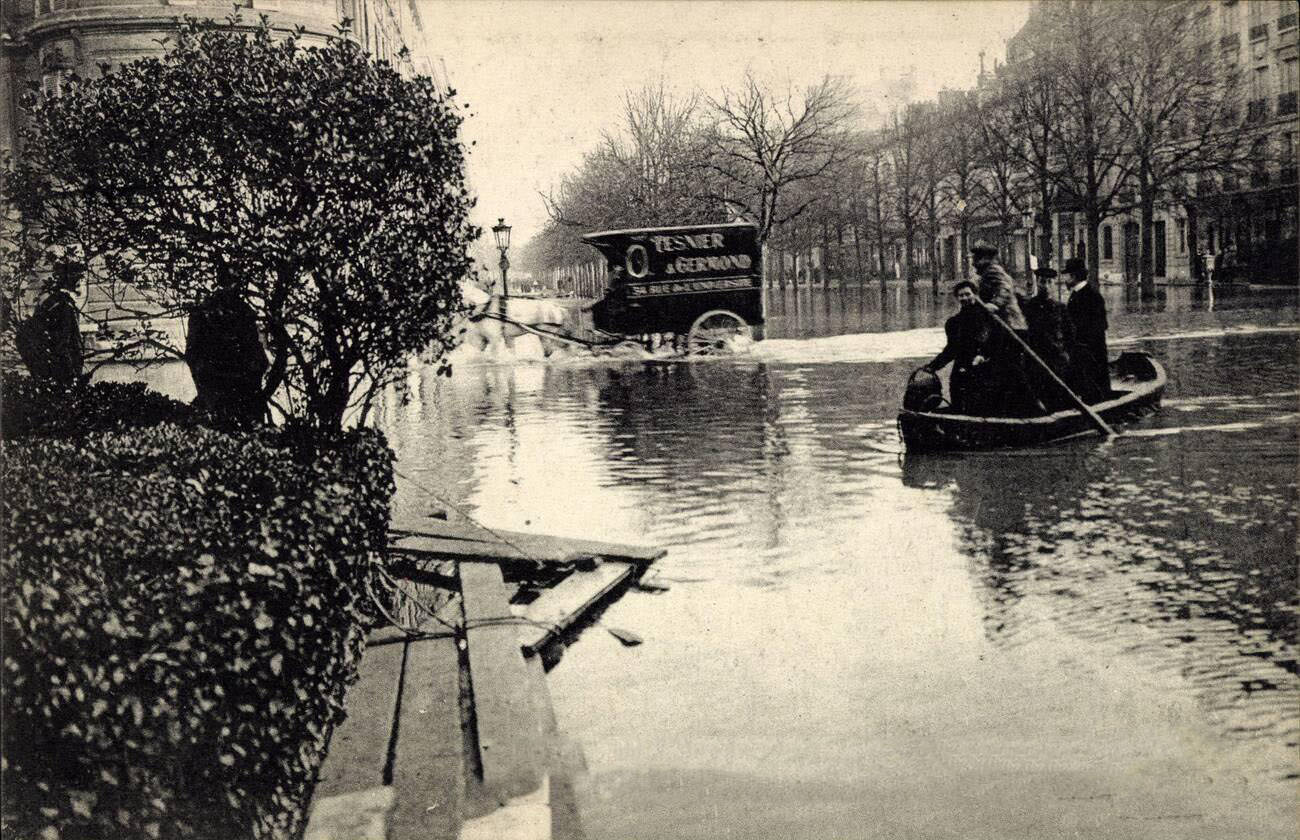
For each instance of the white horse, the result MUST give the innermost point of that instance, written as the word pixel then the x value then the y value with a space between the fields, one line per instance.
pixel 484 331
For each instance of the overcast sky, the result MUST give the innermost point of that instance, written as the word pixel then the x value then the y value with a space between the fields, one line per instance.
pixel 543 78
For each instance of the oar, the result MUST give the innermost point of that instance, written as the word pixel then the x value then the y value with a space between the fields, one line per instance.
pixel 1083 407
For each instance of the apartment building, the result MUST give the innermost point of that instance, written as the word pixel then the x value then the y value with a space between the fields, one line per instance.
pixel 45 41
pixel 1242 219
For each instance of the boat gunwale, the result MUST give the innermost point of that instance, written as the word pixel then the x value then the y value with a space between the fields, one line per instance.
pixel 1141 388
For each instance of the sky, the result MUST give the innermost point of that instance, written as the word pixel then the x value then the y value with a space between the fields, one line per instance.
pixel 543 78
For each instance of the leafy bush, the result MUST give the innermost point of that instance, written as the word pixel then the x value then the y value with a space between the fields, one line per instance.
pixel 34 407
pixel 184 610
pixel 321 184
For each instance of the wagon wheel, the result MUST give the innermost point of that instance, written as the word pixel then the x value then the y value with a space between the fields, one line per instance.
pixel 715 333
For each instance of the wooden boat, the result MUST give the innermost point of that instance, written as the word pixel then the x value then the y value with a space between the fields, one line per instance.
pixel 1137 384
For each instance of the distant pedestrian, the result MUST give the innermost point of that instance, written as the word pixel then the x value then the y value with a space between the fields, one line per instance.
pixel 49 342
pixel 1089 357
pixel 226 359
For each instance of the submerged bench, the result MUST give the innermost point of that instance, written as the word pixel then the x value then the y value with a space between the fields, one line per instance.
pixel 454 736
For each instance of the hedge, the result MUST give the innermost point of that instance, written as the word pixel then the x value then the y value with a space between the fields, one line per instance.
pixel 183 612
pixel 34 407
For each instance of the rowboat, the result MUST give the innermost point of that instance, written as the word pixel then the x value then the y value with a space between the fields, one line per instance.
pixel 1137 384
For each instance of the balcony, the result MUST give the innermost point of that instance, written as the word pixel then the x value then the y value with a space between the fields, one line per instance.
pixel 1230 42
pixel 1286 22
pixel 1259 32
pixel 1257 111
pixel 1286 103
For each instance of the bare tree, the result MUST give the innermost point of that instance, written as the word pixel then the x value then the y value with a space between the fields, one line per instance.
pixel 958 136
pixel 766 144
pixel 651 172
pixel 1022 120
pixel 906 152
pixel 1176 107
pixel 1093 163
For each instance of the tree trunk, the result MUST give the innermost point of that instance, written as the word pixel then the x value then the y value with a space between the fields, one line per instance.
pixel 1196 269
pixel 1094 224
pixel 857 252
pixel 909 242
pixel 1148 279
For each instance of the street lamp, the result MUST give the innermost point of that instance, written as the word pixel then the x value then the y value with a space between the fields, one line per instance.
pixel 501 231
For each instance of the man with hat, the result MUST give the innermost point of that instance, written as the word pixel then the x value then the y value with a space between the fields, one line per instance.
pixel 1087 311
pixel 1050 335
pixel 49 342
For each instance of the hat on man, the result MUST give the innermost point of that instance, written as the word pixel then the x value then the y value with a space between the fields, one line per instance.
pixel 68 273
pixel 983 249
pixel 1076 267
pixel 1045 273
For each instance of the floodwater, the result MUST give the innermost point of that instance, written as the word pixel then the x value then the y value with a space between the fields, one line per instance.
pixel 1088 640
pixel 1093 640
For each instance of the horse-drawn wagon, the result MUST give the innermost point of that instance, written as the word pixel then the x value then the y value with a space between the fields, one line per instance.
pixel 699 284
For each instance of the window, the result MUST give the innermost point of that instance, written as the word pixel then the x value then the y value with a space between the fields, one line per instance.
pixel 1259 162
pixel 1259 83
pixel 1107 243
pixel 1258 20
pixel 1180 228
pixel 53 82
pixel 1230 18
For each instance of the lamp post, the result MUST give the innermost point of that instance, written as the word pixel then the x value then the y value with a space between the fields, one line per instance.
pixel 501 231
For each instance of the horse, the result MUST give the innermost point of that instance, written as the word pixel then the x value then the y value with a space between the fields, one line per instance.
pixel 484 331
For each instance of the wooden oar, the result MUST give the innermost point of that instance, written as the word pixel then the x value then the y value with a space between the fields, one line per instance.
pixel 1083 407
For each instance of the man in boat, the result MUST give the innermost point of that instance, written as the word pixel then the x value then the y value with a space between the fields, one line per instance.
pixel 1050 335
pixel 1010 391
pixel 967 333
pixel 1088 354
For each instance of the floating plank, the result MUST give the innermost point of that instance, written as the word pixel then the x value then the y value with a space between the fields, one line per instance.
pixel 510 707
pixel 358 748
pixel 560 607
pixel 429 762
pixel 467 540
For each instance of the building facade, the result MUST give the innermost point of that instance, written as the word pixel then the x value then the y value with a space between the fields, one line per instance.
pixel 45 41
pixel 1240 222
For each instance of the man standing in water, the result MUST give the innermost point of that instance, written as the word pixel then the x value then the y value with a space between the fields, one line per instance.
pixel 1087 310
pixel 967 332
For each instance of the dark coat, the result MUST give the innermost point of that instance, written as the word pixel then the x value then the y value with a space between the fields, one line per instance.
pixel 1089 357
pixel 49 342
pixel 968 334
pixel 226 359
pixel 1050 335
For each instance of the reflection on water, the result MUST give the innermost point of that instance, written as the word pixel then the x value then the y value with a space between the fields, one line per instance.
pixel 870 637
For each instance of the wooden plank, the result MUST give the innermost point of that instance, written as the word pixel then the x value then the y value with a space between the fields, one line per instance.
pixel 429 764
pixel 509 711
pixel 519 544
pixel 560 607
pixel 358 749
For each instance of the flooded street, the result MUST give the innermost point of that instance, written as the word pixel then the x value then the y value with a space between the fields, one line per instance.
pixel 1093 639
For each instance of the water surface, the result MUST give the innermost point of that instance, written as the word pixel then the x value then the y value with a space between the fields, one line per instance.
pixel 1092 640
